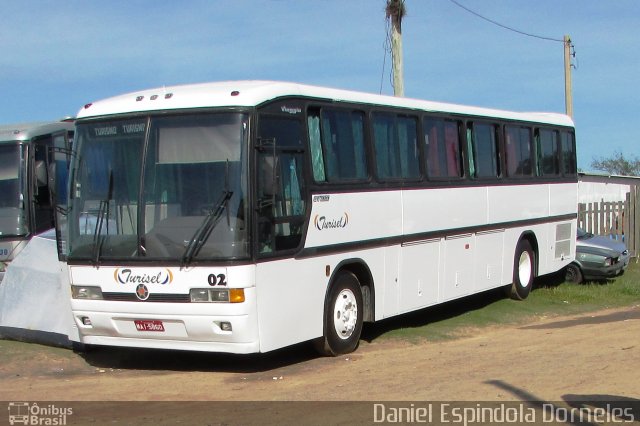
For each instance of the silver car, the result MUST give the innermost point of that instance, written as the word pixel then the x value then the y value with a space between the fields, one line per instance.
pixel 597 258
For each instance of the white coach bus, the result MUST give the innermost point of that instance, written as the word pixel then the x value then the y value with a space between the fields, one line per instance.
pixel 29 153
pixel 247 216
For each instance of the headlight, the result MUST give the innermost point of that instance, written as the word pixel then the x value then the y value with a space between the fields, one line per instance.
pixel 199 295
pixel 86 292
pixel 607 261
pixel 219 295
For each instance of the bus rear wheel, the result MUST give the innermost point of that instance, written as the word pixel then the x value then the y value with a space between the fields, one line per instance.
pixel 342 317
pixel 523 271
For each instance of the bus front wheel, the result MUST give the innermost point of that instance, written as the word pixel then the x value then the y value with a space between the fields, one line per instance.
pixel 523 271
pixel 342 317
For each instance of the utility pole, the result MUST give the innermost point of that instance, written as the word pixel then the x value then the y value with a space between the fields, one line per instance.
pixel 395 12
pixel 568 96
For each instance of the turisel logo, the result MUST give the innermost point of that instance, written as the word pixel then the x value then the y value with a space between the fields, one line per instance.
pixel 323 222
pixel 129 276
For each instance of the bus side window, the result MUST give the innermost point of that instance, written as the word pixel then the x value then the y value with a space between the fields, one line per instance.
pixel 336 139
pixel 396 147
pixel 442 148
pixel 280 186
pixel 568 153
pixel 315 146
pixel 547 152
pixel 484 150
pixel 518 151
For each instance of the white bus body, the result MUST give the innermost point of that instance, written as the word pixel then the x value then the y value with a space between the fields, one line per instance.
pixel 307 237
pixel 27 178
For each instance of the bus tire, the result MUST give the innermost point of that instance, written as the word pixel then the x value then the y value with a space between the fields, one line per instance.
pixel 523 271
pixel 342 317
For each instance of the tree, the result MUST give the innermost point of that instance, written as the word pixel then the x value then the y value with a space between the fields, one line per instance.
pixel 617 164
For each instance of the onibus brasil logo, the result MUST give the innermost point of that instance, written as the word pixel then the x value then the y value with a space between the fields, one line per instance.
pixel 129 276
pixel 33 414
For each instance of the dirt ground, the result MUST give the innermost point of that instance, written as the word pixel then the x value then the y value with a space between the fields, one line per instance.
pixel 592 356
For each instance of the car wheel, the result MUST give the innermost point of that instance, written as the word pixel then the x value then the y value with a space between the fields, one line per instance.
pixel 523 271
pixel 342 317
pixel 573 274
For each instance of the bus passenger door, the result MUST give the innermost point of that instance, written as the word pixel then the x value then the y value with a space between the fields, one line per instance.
pixel 290 306
pixel 280 197
pixel 41 200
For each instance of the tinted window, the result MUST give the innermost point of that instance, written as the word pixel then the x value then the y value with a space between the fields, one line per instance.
pixel 10 175
pixel 442 148
pixel 568 153
pixel 518 151
pixel 337 145
pixel 283 131
pixel 484 148
pixel 548 153
pixel 395 142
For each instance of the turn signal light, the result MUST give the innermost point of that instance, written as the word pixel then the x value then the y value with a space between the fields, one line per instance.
pixel 236 295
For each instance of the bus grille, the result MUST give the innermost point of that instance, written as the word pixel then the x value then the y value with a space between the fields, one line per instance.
pixel 158 297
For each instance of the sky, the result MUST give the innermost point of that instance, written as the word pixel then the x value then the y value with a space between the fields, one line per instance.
pixel 56 56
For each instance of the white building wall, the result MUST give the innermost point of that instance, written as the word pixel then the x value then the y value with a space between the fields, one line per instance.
pixel 594 192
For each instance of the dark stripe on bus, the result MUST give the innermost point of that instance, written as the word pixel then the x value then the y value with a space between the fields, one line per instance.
pixel 432 235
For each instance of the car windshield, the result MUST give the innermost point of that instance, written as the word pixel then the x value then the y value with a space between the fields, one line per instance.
pixel 170 188
pixel 12 216
pixel 583 235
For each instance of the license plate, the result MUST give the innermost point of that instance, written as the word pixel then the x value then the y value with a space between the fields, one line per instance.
pixel 149 325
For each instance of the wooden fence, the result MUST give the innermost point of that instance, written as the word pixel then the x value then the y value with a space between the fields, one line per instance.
pixel 620 219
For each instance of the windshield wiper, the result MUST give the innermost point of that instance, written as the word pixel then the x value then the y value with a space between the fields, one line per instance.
pixel 202 233
pixel 103 210
pixel 210 221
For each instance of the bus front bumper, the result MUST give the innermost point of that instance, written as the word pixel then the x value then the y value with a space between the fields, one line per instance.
pixel 230 328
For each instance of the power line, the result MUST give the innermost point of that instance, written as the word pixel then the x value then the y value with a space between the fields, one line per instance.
pixel 504 26
pixel 387 51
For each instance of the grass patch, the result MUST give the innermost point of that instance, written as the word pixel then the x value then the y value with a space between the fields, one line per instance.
pixel 550 297
pixel 25 350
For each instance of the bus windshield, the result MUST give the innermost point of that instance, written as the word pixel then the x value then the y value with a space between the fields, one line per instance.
pixel 12 217
pixel 169 188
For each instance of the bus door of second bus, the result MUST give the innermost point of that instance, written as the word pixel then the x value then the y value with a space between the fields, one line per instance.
pixel 46 173
pixel 41 203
